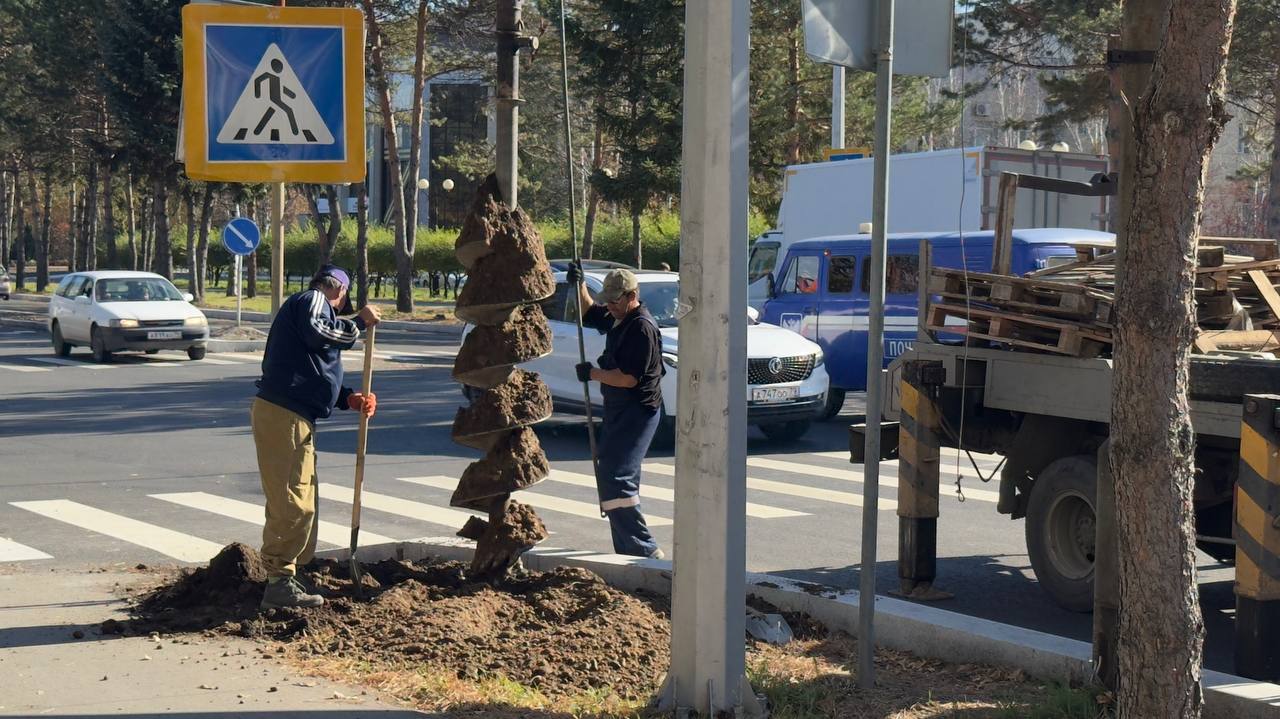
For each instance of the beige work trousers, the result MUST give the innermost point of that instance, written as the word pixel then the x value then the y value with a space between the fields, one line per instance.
pixel 287 465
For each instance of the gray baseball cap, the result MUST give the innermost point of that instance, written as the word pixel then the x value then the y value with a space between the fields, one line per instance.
pixel 616 284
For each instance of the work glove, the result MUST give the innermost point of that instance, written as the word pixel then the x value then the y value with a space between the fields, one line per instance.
pixel 365 404
pixel 573 275
pixel 584 371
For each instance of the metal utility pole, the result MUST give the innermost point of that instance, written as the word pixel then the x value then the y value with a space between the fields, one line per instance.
pixel 875 347
pixel 837 107
pixel 508 100
pixel 708 673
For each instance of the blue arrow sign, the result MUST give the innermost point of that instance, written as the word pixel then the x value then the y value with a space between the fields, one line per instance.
pixel 241 236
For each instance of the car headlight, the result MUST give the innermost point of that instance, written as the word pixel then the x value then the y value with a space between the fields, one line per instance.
pixel 197 321
pixel 818 359
pixel 670 360
pixel 123 323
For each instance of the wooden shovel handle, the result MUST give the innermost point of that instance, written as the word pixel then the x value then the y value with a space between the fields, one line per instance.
pixel 362 434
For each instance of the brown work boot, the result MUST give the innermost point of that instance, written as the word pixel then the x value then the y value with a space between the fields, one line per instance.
pixel 287 592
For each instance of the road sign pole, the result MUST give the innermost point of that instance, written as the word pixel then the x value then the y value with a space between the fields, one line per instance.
pixel 277 246
pixel 875 348
pixel 837 107
pixel 238 286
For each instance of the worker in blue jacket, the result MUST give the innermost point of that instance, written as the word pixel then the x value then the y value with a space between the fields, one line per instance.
pixel 630 375
pixel 301 383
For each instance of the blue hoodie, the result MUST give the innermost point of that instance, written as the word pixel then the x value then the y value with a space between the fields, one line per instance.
pixel 302 366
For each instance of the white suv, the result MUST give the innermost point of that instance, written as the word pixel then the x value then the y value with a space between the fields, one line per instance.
pixel 110 311
pixel 5 285
pixel 787 380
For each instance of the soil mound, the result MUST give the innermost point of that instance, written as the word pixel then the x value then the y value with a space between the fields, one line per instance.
pixel 514 463
pixel 521 400
pixel 489 348
pixel 512 271
pixel 563 632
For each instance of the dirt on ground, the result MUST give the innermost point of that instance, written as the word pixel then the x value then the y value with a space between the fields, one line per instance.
pixel 231 332
pixel 560 632
pixel 524 337
pixel 520 401
pixel 514 463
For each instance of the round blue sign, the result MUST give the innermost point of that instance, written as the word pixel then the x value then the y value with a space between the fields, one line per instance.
pixel 241 236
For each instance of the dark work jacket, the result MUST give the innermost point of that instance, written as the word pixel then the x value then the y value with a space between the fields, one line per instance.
pixel 633 345
pixel 302 366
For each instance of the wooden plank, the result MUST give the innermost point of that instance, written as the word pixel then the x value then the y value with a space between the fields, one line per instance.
pixel 1266 290
pixel 1254 340
pixel 1002 243
pixel 1108 258
pixel 1241 267
pixel 1210 256
pixel 1050 323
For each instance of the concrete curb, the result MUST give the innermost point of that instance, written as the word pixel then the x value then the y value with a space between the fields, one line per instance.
pixel 215 346
pixel 25 324
pixel 920 629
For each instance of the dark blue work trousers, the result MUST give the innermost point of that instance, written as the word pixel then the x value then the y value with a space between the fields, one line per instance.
pixel 628 429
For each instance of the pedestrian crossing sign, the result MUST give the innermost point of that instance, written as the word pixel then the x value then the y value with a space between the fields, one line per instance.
pixel 273 94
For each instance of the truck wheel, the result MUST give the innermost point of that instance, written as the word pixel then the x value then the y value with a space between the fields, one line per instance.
pixel 835 401
pixel 786 431
pixel 1060 528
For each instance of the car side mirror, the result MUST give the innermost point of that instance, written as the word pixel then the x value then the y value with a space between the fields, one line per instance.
pixel 754 315
pixel 188 297
pixel 82 299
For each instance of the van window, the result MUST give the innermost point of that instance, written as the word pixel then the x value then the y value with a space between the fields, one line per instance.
pixel 802 276
pixel 901 277
pixel 764 257
pixel 840 275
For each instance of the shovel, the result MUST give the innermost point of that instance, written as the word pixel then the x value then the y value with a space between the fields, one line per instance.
pixel 771 628
pixel 362 436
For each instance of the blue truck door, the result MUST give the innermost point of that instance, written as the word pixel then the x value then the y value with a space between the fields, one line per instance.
pixel 902 278
pixel 842 323
pixel 795 302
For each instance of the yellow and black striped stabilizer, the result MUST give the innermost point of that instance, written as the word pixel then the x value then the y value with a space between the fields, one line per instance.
pixel 919 463
pixel 1257 535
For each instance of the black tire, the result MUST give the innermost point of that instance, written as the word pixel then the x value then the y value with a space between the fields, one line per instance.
pixel 786 431
pixel 196 353
pixel 1061 530
pixel 835 401
pixel 60 346
pixel 151 352
pixel 100 353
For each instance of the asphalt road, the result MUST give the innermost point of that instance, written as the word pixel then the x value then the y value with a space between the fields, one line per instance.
pixel 149 460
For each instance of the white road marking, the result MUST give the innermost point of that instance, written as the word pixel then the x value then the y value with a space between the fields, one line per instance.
pixel 589 510
pixel 855 475
pixel 662 494
pixel 71 363
pixel 183 547
pixel 794 490
pixel 11 551
pixel 211 360
pixel 20 368
pixel 428 513
pixel 330 532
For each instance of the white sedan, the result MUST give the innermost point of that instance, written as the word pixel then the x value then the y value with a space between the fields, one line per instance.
pixel 786 378
pixel 111 311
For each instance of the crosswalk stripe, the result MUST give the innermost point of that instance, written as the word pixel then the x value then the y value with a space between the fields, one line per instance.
pixel 70 363
pixel 183 547
pixel 211 360
pixel 20 368
pixel 589 510
pixel 850 475
pixel 329 532
pixel 420 511
pixel 794 490
pixel 241 357
pixel 662 494
pixel 11 551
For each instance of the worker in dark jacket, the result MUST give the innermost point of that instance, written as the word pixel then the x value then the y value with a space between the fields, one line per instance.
pixel 629 372
pixel 301 383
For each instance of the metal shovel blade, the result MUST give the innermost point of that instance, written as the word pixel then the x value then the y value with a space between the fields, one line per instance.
pixel 771 628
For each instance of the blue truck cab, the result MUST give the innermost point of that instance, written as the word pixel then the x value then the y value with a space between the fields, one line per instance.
pixel 823 287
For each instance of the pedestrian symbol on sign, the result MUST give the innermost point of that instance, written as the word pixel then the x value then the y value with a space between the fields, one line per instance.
pixel 274 108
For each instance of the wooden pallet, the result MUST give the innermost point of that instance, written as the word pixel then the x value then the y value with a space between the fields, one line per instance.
pixel 1055 299
pixel 1020 330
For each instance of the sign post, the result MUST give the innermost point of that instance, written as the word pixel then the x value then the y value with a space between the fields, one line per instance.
pixel 241 237
pixel 273 94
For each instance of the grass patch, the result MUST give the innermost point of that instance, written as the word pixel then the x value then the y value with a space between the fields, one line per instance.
pixel 426 307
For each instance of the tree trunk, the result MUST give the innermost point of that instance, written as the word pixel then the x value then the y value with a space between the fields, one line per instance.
pixel 1273 192
pixel 403 241
pixel 148 226
pixel 362 244
pixel 189 203
pixel 593 196
pixel 636 249
pixel 335 223
pixel 109 216
pixel 202 244
pixel 1176 124
pixel 415 126
pixel 164 253
pixel 42 244
pixel 792 156
pixel 73 224
pixel 131 221
pixel 91 219
pixel 21 236
pixel 6 220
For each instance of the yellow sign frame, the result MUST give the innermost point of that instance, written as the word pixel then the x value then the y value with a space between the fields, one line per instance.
pixel 195 17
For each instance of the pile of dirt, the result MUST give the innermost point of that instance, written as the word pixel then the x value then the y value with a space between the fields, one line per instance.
pixel 521 400
pixel 512 529
pixel 514 463
pixel 513 271
pixel 231 332
pixel 564 632
pixel 524 337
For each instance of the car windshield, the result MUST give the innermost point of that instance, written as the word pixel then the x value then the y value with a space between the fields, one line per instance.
pixel 662 299
pixel 135 289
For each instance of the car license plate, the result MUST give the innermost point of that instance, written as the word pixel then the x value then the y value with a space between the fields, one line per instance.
pixel 164 335
pixel 770 395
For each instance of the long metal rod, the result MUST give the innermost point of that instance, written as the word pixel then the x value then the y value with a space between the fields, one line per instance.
pixel 875 348
pixel 573 228
pixel 837 107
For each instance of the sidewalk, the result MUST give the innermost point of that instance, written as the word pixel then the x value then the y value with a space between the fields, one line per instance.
pixel 47 670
